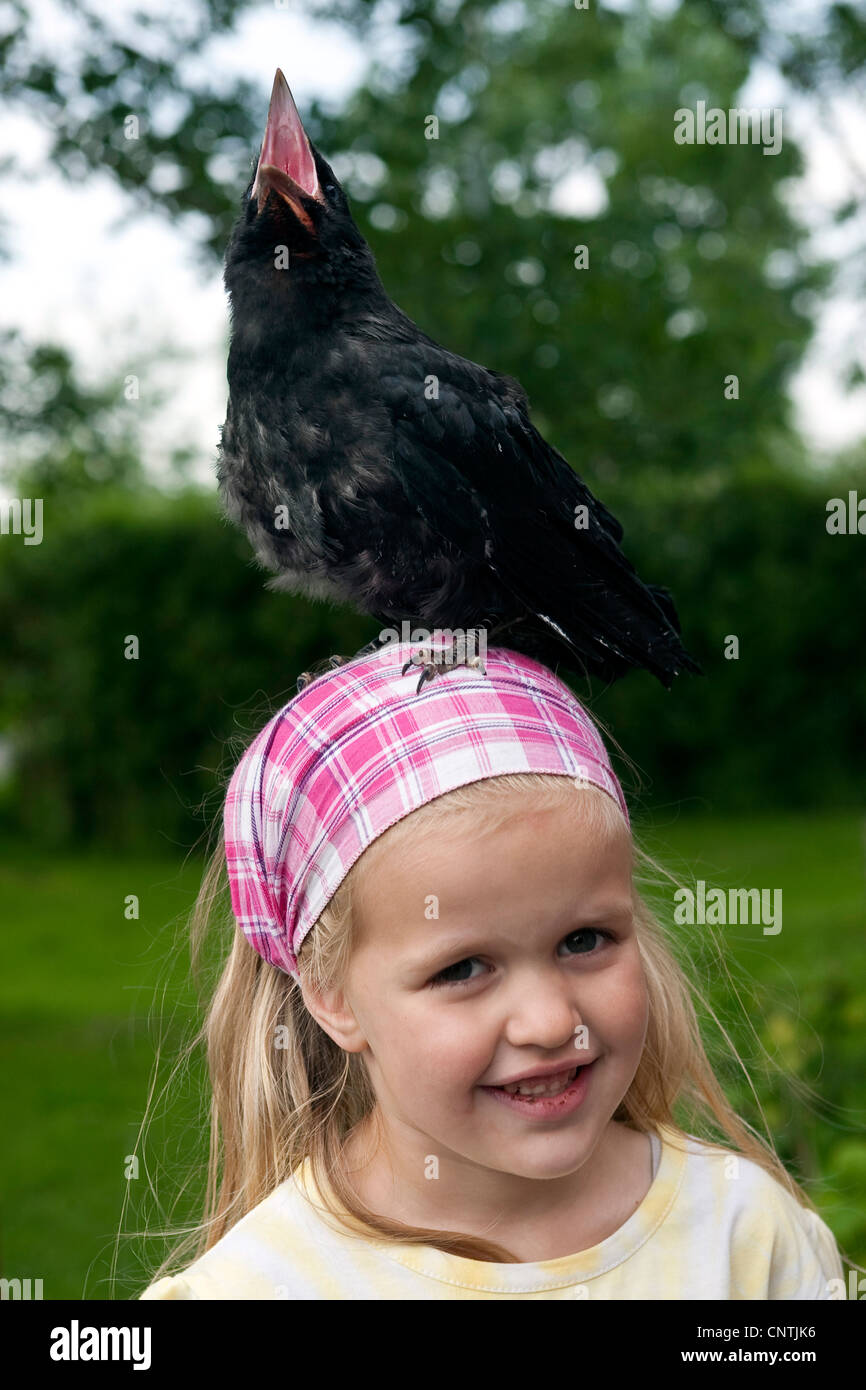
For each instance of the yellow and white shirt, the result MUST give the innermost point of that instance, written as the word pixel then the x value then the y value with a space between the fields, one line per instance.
pixel 712 1226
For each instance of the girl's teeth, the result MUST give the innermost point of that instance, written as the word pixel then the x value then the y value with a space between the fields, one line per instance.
pixel 551 1087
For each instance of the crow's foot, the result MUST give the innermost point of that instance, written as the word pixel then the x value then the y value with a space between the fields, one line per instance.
pixel 446 662
pixel 333 662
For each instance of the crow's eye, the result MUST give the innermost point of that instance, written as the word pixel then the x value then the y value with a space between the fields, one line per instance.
pixel 330 188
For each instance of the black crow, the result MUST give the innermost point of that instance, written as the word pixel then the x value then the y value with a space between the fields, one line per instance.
pixel 369 465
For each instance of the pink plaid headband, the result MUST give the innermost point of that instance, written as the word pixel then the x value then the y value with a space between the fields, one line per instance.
pixel 358 749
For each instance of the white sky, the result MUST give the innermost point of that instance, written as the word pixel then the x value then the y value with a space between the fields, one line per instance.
pixel 108 281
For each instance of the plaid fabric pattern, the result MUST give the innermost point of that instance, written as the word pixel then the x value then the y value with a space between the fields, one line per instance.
pixel 358 749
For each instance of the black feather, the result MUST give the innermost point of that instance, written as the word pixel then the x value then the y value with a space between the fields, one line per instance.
pixel 412 481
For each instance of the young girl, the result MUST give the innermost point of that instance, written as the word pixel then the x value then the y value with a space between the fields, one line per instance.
pixel 448 1043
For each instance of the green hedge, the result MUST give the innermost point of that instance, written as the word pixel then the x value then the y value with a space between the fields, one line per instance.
pixel 135 751
pixel 132 751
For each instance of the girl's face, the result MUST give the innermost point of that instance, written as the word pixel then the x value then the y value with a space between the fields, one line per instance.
pixel 484 958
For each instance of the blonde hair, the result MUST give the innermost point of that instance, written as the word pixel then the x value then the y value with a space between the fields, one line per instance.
pixel 274 1106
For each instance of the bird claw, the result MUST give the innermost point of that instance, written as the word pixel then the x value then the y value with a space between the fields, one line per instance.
pixel 333 662
pixel 414 660
pixel 431 668
pixel 423 657
pixel 420 658
pixel 426 675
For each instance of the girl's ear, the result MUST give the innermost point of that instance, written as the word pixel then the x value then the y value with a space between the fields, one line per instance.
pixel 332 1013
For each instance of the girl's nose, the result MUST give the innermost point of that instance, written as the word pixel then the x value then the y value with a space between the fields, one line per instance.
pixel 544 1014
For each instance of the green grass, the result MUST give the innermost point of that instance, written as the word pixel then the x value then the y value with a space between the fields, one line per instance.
pixel 86 992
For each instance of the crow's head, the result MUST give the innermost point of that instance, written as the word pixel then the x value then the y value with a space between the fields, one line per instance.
pixel 295 240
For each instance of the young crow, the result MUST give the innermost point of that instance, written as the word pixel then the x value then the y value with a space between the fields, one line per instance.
pixel 369 465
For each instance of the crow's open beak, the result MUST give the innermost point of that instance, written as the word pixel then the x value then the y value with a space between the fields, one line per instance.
pixel 286 165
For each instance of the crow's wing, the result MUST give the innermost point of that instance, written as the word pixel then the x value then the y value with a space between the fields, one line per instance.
pixel 477 470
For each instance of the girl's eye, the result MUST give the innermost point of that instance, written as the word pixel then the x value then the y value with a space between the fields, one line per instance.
pixel 585 949
pixel 584 936
pixel 442 977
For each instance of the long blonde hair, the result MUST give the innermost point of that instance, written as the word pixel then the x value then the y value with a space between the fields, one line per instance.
pixel 274 1106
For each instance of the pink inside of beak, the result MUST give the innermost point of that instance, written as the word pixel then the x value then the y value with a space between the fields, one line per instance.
pixel 285 145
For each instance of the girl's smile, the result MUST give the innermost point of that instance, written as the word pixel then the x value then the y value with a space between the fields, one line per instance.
pixel 558 1099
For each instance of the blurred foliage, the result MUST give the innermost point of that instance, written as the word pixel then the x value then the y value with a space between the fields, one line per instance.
pixel 625 362
pixel 123 750
pixel 748 555
pixel 697 270
pixel 68 436
pixel 130 62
